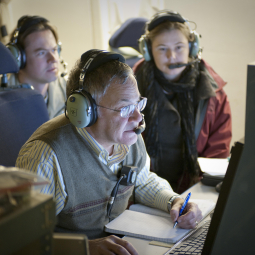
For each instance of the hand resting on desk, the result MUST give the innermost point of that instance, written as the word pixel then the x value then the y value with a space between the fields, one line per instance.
pixel 191 215
pixel 111 245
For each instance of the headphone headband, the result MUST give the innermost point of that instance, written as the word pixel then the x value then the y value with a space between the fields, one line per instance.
pixel 163 16
pixel 86 65
pixel 24 23
pixel 93 59
pixel 100 59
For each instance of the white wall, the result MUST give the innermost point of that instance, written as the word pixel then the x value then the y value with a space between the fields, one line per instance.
pixel 226 26
pixel 81 24
pixel 73 20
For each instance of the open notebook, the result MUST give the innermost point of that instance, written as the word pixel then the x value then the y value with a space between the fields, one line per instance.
pixel 152 224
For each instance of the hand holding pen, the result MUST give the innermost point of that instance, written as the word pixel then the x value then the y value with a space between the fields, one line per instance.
pixel 183 207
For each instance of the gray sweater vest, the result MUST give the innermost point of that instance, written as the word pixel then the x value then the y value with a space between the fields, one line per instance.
pixel 88 181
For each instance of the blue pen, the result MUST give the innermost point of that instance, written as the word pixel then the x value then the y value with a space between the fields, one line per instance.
pixel 183 207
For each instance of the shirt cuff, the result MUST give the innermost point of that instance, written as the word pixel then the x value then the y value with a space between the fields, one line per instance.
pixel 162 199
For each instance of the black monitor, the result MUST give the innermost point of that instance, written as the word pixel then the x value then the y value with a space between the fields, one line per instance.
pixel 233 223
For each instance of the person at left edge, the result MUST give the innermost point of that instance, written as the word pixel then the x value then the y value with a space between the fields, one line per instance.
pixel 82 155
pixel 34 43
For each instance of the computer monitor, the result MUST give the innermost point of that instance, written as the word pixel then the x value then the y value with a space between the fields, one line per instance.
pixel 233 225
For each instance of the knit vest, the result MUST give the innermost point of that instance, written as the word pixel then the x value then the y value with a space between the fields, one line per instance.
pixel 87 180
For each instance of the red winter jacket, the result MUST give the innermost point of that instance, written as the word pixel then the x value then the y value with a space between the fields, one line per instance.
pixel 216 131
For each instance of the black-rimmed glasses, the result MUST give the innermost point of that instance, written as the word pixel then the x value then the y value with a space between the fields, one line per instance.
pixel 127 111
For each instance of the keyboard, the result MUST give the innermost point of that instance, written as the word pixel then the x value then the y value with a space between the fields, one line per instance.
pixel 194 243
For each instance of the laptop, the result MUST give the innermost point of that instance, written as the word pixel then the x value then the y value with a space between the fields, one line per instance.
pixel 231 229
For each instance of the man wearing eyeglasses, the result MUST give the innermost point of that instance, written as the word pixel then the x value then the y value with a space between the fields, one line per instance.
pixel 82 163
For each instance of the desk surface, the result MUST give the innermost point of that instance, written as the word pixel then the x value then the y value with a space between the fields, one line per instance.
pixel 199 191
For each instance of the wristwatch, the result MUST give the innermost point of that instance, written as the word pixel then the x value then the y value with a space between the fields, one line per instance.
pixel 170 202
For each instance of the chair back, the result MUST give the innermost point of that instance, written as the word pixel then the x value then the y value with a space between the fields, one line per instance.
pixel 22 111
pixel 125 39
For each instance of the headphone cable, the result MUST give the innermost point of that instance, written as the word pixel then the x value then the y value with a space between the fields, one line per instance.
pixel 113 195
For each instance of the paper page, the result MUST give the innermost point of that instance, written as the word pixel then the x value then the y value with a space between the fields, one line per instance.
pixel 206 206
pixel 214 166
pixel 148 210
pixel 150 227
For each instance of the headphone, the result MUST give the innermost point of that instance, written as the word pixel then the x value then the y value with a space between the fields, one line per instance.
pixel 80 106
pixel 16 49
pixel 158 18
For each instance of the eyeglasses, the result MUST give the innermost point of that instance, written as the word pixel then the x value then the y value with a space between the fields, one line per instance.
pixel 127 111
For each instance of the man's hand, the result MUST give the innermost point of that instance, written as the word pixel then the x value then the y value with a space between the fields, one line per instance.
pixel 191 215
pixel 111 245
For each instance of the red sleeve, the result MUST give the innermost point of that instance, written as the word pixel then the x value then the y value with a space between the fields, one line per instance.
pixel 216 132
pixel 137 65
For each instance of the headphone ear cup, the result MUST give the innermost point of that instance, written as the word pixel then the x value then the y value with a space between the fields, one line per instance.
pixel 194 45
pixel 18 53
pixel 81 109
pixel 144 48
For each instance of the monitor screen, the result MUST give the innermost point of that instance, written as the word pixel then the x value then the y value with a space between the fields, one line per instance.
pixel 232 226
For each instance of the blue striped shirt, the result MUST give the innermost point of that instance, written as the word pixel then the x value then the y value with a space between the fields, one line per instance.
pixel 38 157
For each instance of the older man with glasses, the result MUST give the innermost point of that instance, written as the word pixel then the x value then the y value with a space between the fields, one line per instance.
pixel 84 153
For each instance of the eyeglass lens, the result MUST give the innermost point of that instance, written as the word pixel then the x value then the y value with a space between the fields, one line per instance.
pixel 128 110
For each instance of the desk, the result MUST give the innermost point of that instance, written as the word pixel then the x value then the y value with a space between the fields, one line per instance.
pixel 199 191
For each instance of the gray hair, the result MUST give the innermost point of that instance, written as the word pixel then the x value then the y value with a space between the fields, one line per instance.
pixel 97 81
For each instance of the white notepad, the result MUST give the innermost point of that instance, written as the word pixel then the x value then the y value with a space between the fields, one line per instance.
pixel 152 224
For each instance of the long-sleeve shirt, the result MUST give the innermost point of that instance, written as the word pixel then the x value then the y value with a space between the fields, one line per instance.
pixel 38 157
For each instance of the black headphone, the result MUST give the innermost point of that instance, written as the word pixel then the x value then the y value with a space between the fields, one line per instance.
pixel 16 49
pixel 158 18
pixel 80 106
